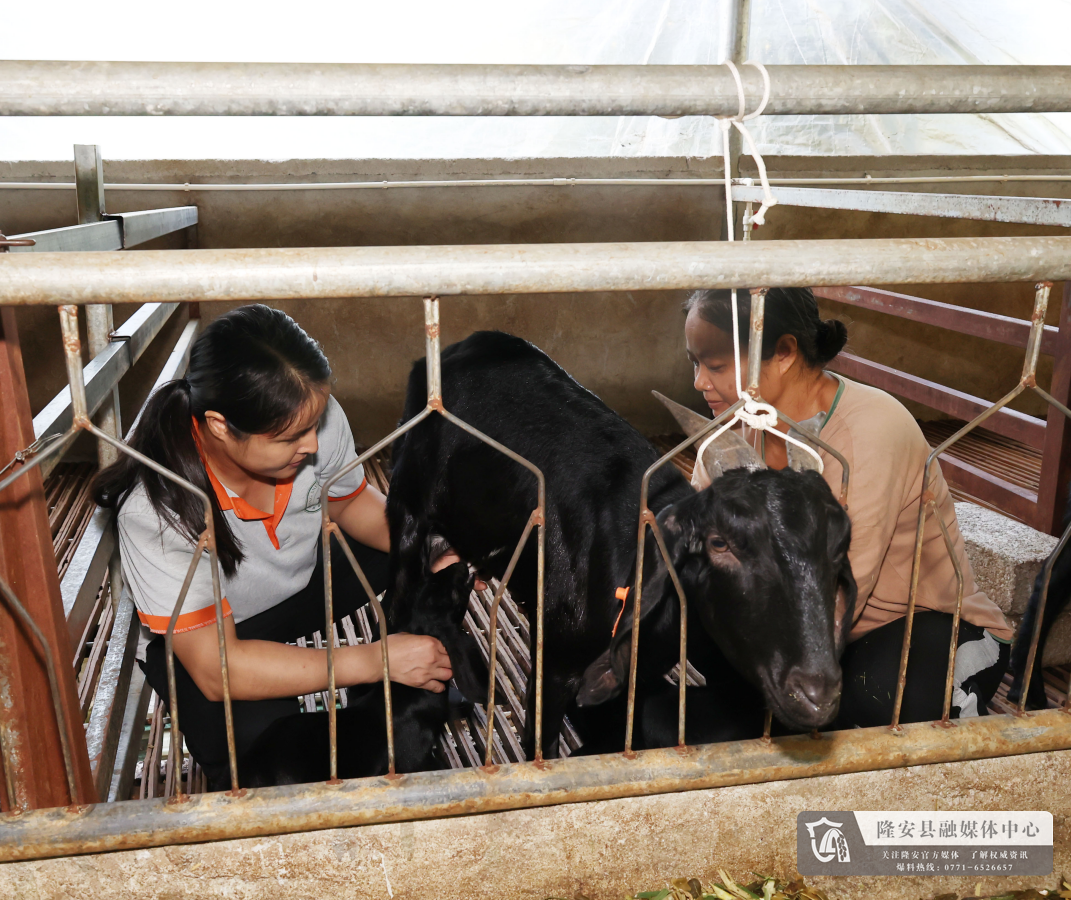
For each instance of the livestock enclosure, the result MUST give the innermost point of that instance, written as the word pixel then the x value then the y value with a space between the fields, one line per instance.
pixel 58 784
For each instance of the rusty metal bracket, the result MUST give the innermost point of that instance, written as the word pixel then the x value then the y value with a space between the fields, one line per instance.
pixel 6 242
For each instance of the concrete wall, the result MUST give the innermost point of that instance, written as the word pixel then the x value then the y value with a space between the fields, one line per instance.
pixel 602 850
pixel 619 346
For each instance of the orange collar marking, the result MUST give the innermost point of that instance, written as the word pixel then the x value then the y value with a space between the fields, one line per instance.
pixel 242 509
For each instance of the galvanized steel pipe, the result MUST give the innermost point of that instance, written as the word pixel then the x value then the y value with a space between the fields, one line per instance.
pixel 61 88
pixel 266 275
pixel 281 810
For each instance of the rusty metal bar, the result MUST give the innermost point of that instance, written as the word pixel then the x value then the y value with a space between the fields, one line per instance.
pixel 333 529
pixel 29 748
pixel 58 707
pixel 426 795
pixel 272 274
pixel 492 635
pixel 47 87
pixel 169 650
pixel 1043 598
pixel 210 543
pixel 754 343
pixel 926 500
pixel 539 515
pixel 953 648
pixel 682 680
pixel 645 512
pixel 327 527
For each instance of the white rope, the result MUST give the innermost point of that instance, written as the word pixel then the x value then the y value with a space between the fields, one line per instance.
pixel 755 414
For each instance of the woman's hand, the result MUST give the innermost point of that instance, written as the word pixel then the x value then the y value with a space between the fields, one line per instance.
pixel 419 660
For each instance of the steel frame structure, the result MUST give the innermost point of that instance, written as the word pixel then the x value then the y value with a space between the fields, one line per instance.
pixel 70 279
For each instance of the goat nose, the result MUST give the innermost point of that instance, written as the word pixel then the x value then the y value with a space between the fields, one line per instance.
pixel 817 690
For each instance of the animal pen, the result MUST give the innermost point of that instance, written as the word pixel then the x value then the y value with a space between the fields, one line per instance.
pixel 58 777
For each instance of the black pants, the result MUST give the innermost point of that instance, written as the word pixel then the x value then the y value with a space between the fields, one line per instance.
pixel 202 720
pixel 871 666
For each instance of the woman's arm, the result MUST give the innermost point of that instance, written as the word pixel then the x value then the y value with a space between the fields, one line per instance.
pixel 260 670
pixel 363 518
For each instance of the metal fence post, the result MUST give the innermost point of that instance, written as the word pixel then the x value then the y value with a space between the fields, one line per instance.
pixel 89 186
pixel 1056 455
pixel 34 767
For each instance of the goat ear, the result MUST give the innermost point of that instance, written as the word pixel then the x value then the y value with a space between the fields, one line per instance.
pixel 689 420
pixel 800 460
pixel 599 682
pixel 729 451
pixel 843 617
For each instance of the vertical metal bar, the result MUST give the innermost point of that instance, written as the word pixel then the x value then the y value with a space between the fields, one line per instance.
pixel 329 615
pixel 89 191
pixel 58 706
pixel 44 754
pixel 169 650
pixel 1033 348
pixel 682 692
pixel 740 13
pixel 492 635
pixel 1056 455
pixel 217 595
pixel 72 354
pixel 954 644
pixel 754 344
pixel 89 183
pixel 715 423
pixel 1039 617
pixel 330 529
pixel 432 356
pixel 1037 329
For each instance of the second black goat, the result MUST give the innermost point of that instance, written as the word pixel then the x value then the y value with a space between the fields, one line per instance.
pixel 295 749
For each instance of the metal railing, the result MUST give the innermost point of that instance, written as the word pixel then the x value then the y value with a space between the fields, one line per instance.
pixel 973 737
pixel 34 88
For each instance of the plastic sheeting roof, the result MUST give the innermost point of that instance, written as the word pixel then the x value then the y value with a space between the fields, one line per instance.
pixel 992 32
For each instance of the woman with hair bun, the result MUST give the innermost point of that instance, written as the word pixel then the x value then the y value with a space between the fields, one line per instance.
pixel 254 426
pixel 886 454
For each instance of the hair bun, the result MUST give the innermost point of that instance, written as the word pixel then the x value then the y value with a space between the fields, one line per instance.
pixel 830 338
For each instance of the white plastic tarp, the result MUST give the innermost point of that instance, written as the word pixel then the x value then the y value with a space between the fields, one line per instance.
pixel 863 32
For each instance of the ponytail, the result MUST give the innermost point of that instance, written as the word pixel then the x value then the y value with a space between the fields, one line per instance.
pixel 258 369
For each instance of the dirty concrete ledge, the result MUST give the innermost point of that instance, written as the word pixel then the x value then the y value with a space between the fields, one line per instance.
pixel 603 849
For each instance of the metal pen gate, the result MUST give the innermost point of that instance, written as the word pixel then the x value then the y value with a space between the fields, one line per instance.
pixel 71 279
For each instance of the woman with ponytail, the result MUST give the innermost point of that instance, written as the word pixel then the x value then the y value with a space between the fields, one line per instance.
pixel 254 426
pixel 886 454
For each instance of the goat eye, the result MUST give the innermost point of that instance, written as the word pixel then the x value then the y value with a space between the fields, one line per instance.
pixel 717 544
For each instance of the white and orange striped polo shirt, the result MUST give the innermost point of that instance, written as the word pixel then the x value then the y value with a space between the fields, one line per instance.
pixel 279 546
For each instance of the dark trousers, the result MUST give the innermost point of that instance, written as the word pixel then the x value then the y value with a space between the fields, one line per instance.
pixel 871 666
pixel 202 720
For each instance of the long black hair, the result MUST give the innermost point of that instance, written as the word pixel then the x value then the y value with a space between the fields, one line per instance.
pixel 788 311
pixel 257 368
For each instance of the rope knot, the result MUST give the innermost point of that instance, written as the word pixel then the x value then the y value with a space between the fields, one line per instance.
pixel 758 415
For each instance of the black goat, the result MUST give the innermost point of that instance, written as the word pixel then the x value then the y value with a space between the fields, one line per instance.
pixel 762 555
pixel 294 749
pixel 1059 594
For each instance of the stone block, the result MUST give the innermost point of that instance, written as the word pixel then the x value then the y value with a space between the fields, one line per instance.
pixel 1005 555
